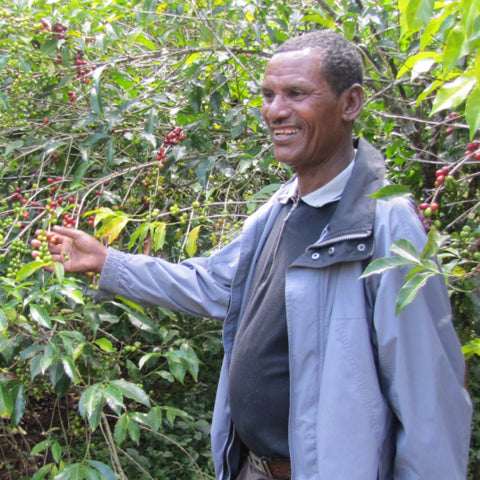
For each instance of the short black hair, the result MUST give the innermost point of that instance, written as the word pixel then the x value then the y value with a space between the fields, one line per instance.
pixel 341 64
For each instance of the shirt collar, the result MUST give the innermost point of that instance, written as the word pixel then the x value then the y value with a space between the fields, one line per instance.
pixel 330 192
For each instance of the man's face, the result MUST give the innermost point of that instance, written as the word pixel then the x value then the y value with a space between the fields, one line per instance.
pixel 301 111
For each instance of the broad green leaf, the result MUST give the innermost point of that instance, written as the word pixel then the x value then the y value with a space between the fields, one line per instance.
pixel 420 63
pixel 91 405
pixel 106 472
pixel 3 321
pixel 381 265
pixel 191 244
pixel 19 398
pixel 433 244
pixel 59 272
pixel 79 174
pixel 155 418
pixel 472 111
pixel 409 291
pixel 145 358
pixel 6 402
pixel 112 227
pixel 95 92
pixel 454 93
pixel 404 248
pixel 29 269
pixel 114 398
pixel 132 391
pixel 453 49
pixel 159 236
pixel 105 344
pixel 471 348
pixel 56 451
pixel 121 429
pixel 41 447
pixel 391 191
pixel 40 316
pixel 142 322
pixel 13 146
pixel 69 367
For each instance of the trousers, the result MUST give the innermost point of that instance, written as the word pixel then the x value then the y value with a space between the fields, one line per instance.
pixel 249 472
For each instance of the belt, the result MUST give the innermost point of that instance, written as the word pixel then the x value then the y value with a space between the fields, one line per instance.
pixel 278 468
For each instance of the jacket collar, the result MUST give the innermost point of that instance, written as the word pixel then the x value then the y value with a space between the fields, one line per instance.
pixel 355 213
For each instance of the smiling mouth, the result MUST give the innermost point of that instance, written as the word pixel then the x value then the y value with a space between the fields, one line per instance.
pixel 278 132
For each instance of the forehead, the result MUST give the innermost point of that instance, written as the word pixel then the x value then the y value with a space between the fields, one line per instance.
pixel 297 66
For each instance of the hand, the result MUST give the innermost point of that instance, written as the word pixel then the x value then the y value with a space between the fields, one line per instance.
pixel 78 251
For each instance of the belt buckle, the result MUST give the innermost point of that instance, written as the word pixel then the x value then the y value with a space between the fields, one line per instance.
pixel 261 464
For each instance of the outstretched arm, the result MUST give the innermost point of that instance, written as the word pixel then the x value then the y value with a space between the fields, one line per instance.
pixel 78 251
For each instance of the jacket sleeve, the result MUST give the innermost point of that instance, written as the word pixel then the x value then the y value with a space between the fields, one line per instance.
pixel 421 366
pixel 198 286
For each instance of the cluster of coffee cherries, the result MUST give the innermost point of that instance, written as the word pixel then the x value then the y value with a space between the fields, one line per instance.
pixel 441 175
pixel 175 136
pixel 82 71
pixel 428 209
pixel 473 149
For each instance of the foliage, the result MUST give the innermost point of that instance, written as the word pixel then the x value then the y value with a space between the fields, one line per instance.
pixel 140 122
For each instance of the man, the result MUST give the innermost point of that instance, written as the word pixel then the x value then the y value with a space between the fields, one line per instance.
pixel 321 380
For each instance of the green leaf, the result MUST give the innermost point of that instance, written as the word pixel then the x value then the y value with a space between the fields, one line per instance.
pixel 41 447
pixel 472 111
pixel 391 191
pixel 114 398
pixel 145 358
pixel 104 470
pixel 3 321
pixel 29 269
pixel 121 429
pixel 433 244
pixel 56 451
pixel 142 322
pixel 159 236
pixel 95 92
pixel 105 345
pixel 6 402
pixel 191 244
pixel 69 368
pixel 13 146
pixel 40 316
pixel 404 248
pixel 409 291
pixel 454 93
pixel 19 398
pixel 453 49
pixel 132 391
pixel 155 418
pixel 419 63
pixel 91 405
pixel 471 348
pixel 381 265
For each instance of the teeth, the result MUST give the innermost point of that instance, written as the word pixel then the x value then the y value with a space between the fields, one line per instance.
pixel 286 132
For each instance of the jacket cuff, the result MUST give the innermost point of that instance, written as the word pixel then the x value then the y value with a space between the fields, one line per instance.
pixel 109 282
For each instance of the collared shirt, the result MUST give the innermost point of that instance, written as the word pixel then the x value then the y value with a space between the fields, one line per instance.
pixel 330 192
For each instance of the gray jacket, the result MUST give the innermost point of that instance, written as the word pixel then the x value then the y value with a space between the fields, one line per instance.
pixel 373 395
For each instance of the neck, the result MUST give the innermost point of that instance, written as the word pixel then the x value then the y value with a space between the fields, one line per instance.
pixel 319 175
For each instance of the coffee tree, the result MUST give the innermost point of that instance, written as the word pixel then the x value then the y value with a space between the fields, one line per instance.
pixel 140 122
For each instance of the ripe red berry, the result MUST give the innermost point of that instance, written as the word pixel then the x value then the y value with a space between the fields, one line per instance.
pixel 50 180
pixel 434 206
pixel 423 206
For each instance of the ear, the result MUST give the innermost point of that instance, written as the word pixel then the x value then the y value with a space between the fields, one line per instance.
pixel 352 100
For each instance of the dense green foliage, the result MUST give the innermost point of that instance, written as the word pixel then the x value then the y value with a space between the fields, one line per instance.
pixel 140 122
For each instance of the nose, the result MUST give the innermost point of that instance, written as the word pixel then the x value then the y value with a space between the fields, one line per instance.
pixel 276 109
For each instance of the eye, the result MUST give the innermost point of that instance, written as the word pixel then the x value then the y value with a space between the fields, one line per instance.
pixel 296 94
pixel 267 95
